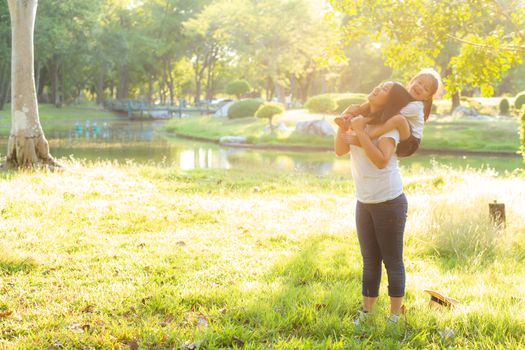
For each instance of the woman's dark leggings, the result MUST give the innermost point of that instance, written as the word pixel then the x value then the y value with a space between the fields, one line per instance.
pixel 380 229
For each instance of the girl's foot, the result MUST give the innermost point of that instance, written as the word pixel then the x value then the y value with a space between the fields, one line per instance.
pixel 342 122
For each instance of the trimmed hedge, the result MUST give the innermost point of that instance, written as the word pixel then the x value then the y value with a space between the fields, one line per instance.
pixel 238 88
pixel 519 101
pixel 344 102
pixel 504 106
pixel 320 104
pixel 269 110
pixel 244 108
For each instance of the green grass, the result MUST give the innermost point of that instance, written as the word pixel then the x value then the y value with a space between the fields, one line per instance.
pixel 487 135
pixel 114 257
pixel 49 113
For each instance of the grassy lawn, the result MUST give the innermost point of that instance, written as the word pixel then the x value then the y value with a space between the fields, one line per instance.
pixel 53 118
pixel 103 256
pixel 441 133
pixel 491 135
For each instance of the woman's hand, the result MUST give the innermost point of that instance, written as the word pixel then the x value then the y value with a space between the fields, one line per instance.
pixel 350 138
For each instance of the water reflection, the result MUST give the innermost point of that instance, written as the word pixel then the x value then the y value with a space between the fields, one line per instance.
pixel 139 141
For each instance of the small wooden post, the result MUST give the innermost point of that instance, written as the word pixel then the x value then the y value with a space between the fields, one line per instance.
pixel 497 214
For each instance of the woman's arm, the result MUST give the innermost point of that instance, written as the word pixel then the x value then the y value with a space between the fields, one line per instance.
pixel 380 154
pixel 341 147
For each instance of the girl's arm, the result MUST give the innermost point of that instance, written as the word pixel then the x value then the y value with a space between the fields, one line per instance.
pixel 341 147
pixel 354 110
pixel 380 154
pixel 398 122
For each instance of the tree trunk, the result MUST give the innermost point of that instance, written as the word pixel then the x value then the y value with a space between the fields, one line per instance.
pixel 55 97
pixel 455 101
pixel 169 79
pixel 150 90
pixel 100 89
pixel 27 145
pixel 122 91
pixel 4 83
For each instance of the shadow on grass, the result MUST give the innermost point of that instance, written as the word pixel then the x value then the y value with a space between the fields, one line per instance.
pixel 12 265
pixel 307 300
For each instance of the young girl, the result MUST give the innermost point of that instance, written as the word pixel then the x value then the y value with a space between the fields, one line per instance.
pixel 411 120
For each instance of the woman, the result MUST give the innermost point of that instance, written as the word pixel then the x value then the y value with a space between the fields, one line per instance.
pixel 381 205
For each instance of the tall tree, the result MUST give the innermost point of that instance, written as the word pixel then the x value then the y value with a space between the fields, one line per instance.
pixel 27 145
pixel 5 53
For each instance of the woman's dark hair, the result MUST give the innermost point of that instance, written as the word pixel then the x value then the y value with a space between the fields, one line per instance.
pixel 398 97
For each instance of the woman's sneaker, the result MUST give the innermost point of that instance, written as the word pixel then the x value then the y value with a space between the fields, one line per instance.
pixel 393 319
pixel 361 316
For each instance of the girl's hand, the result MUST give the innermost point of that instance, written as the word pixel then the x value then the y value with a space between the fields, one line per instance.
pixel 359 123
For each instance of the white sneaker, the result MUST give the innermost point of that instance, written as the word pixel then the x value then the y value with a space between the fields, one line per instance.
pixel 393 319
pixel 361 316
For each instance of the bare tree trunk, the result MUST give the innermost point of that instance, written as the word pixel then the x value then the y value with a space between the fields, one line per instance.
pixel 27 145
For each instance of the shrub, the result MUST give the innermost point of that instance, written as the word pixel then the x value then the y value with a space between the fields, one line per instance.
pixel 244 108
pixel 344 102
pixel 269 110
pixel 238 88
pixel 321 104
pixel 519 101
pixel 504 106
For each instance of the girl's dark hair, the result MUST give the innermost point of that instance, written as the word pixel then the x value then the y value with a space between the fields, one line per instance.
pixel 398 97
pixel 436 85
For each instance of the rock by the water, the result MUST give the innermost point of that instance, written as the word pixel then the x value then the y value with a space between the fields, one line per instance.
pixel 159 114
pixel 223 110
pixel 233 139
pixel 279 127
pixel 467 111
pixel 315 127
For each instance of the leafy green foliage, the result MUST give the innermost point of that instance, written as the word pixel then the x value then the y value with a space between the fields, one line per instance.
pixel 504 106
pixel 244 108
pixel 474 43
pixel 519 101
pixel 321 104
pixel 238 88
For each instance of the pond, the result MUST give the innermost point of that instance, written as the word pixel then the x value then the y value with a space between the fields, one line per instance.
pixel 143 142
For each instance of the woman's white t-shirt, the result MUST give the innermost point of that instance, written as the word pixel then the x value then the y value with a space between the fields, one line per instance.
pixel 374 185
pixel 415 115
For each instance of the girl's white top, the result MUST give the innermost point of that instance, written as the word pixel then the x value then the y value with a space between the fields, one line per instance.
pixel 415 116
pixel 374 185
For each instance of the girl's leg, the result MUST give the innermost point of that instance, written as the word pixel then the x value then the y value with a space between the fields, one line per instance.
pixel 396 122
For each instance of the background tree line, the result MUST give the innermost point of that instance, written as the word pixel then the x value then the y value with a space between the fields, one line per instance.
pixel 162 50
